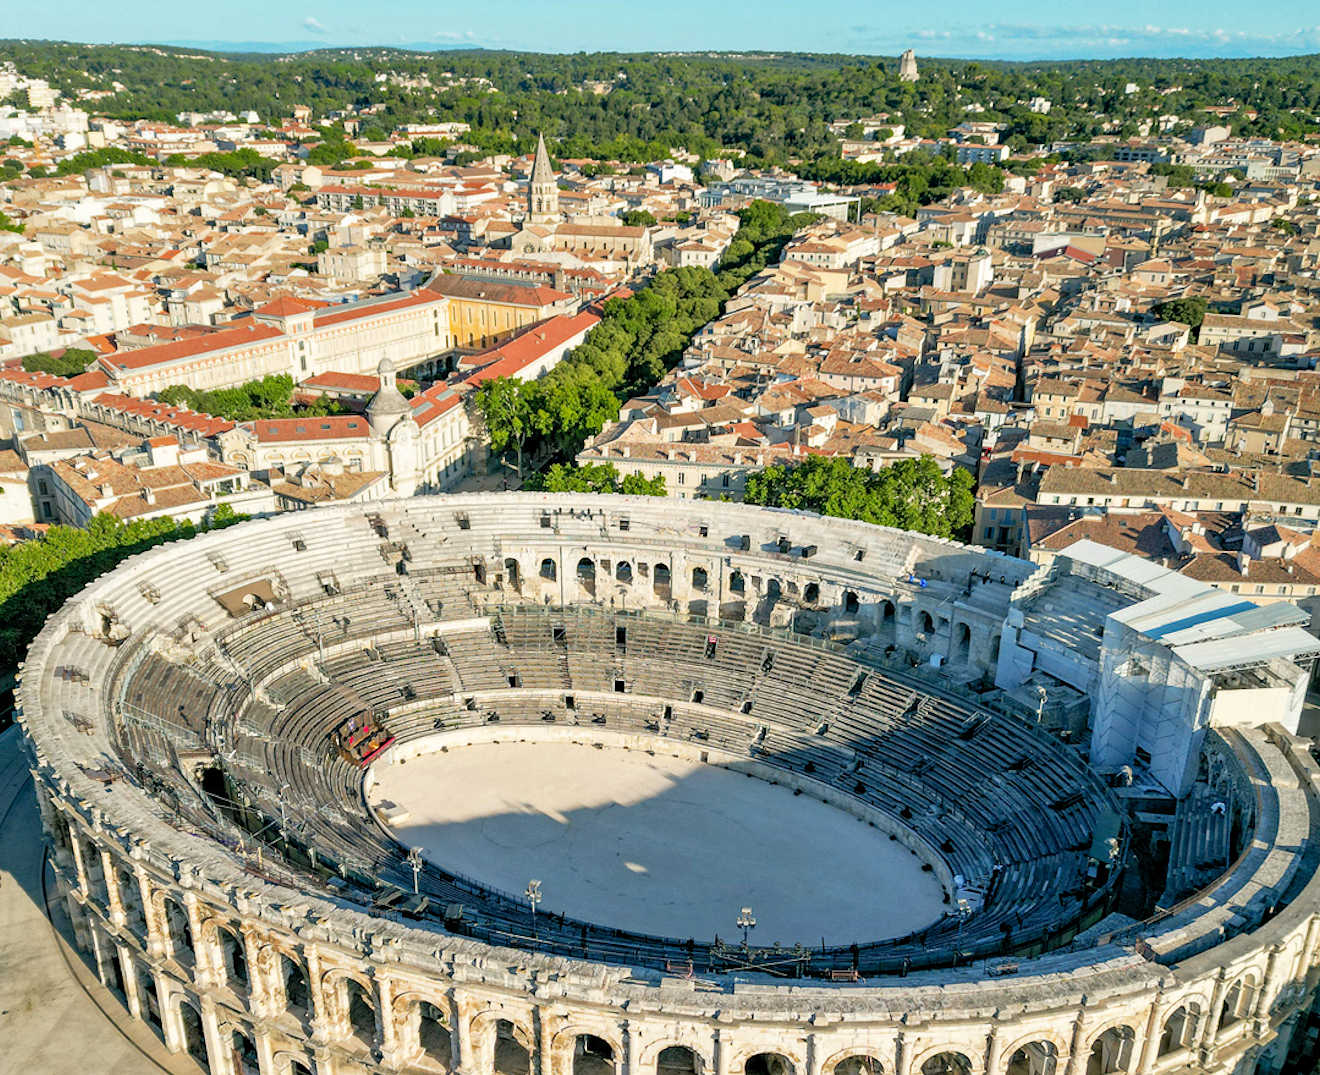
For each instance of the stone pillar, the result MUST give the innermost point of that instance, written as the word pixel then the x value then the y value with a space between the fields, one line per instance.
pixel 259 987
pixel 265 1051
pixel 460 1038
pixel 811 1056
pixel 721 1051
pixel 114 902
pixel 132 986
pixel 993 1047
pixel 393 1046
pixel 80 867
pixel 169 1014
pixel 1150 1039
pixel 323 1028
pixel 220 1058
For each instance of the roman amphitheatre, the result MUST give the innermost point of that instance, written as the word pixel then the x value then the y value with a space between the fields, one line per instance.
pixel 579 785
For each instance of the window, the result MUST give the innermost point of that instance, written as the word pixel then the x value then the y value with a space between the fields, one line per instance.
pixel 680 477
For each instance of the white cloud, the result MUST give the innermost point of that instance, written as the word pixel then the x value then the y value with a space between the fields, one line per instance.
pixel 313 25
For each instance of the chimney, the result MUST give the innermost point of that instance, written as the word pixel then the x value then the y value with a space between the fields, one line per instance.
pixel 149 495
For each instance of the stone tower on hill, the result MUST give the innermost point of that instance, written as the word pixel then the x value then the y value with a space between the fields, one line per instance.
pixel 907 67
pixel 543 191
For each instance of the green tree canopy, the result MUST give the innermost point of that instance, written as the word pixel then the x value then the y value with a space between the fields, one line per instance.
pixel 912 494
pixel 1189 310
pixel 598 478
pixel 37 577
pixel 270 397
pixel 68 363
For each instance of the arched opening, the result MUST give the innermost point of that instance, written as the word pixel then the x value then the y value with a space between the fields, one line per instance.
pixel 677 1060
pixel 511 1055
pixel 811 594
pixel 586 574
pixel 194 1037
pixel 737 583
pixel 433 1034
pixel 623 571
pixel 1179 1030
pixel 297 995
pixel 233 958
pixel 700 578
pixel 361 1011
pixel 962 643
pixel 297 1067
pixel 850 603
pixel 243 1052
pixel 774 590
pixel 858 1065
pixel 592 1055
pixel 151 1008
pixel 768 1064
pixel 548 570
pixel 660 581
pixel 1034 1058
pixel 947 1064
pixel 512 578
pixel 1237 1003
pixel 180 932
pixel 116 976
pixel 95 867
pixel 130 899
pixel 1111 1051
pixel 925 624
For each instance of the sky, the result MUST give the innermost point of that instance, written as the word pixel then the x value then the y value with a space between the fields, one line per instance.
pixel 1005 29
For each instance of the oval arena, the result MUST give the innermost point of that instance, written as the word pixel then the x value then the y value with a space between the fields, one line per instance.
pixel 295 775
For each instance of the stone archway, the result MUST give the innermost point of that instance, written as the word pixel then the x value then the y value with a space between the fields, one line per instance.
pixel 1111 1051
pixel 243 1055
pixel 856 1064
pixel 1179 1029
pixel 593 1055
pixel 511 1053
pixel 947 1063
pixel 677 1060
pixel 962 644
pixel 1033 1058
pixel 192 1035
pixel 768 1064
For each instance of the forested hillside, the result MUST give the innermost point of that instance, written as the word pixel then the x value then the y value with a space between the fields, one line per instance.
pixel 775 108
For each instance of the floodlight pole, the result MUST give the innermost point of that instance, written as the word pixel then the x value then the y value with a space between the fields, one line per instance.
pixel 415 861
pixel 746 922
pixel 533 895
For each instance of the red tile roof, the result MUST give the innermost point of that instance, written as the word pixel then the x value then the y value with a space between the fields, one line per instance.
pixel 515 356
pixel 163 353
pixel 339 427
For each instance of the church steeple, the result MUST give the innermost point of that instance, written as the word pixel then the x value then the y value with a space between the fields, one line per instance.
pixel 543 190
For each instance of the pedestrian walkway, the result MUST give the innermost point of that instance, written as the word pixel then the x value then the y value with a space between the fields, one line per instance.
pixel 55 1017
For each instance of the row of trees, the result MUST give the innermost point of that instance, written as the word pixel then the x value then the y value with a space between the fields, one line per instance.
pixel 270 397
pixel 37 577
pixel 912 494
pixel 638 340
pixel 596 478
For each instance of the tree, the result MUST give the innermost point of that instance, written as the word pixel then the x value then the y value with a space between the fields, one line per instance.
pixel 637 218
pixel 37 577
pixel 1069 194
pixel 7 224
pixel 1189 310
pixel 505 404
pixel 598 478
pixel 68 363
pixel 912 494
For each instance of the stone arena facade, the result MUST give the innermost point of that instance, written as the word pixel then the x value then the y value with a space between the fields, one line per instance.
pixel 256 937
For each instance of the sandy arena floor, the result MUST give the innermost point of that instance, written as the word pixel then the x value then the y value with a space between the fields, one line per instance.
pixel 658 844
